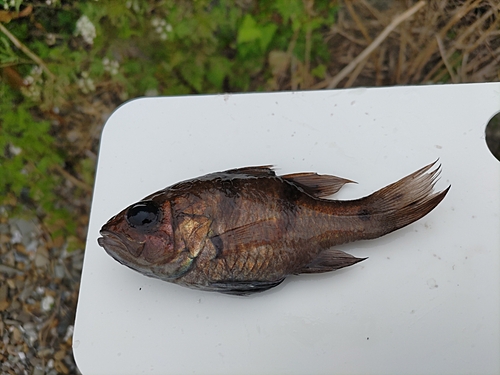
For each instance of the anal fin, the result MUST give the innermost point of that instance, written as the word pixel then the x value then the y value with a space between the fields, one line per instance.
pixel 243 288
pixel 330 260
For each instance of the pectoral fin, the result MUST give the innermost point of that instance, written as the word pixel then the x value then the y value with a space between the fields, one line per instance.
pixel 236 240
pixel 317 185
pixel 330 260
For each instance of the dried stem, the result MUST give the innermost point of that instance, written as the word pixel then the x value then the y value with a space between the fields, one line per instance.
pixel 358 22
pixel 26 50
pixel 73 179
pixel 307 60
pixel 445 59
pixel 420 61
pixel 363 55
pixel 355 74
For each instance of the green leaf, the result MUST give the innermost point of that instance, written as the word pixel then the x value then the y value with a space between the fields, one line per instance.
pixel 7 55
pixel 319 71
pixel 182 29
pixel 267 33
pixel 248 31
pixel 193 74
pixel 218 68
pixel 289 9
pixel 18 4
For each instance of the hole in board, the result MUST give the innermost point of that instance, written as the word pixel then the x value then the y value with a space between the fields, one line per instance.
pixel 493 135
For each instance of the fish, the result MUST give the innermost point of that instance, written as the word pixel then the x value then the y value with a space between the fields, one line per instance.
pixel 244 230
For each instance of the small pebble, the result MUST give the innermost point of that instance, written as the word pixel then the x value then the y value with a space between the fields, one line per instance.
pixel 40 290
pixel 16 237
pixel 59 355
pixel 47 303
pixel 43 352
pixel 16 334
pixel 69 333
pixel 41 257
pixel 32 246
pixel 24 317
pixel 26 293
pixel 61 367
pixel 3 305
pixel 3 292
pixel 59 271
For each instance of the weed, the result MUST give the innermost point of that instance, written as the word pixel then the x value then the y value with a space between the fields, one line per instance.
pixel 28 184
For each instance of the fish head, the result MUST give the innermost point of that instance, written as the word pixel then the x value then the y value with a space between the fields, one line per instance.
pixel 141 236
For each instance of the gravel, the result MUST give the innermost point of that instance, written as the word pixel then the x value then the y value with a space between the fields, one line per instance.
pixel 38 294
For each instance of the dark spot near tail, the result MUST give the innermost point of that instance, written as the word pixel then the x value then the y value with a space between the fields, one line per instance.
pixel 290 192
pixel 218 244
pixel 364 214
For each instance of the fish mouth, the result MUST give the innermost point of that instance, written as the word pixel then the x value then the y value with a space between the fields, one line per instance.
pixel 120 247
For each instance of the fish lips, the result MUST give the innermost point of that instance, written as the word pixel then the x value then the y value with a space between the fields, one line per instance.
pixel 121 248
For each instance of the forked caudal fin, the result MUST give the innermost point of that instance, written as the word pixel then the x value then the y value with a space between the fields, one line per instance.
pixel 400 203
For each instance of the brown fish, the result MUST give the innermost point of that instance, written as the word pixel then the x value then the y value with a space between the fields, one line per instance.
pixel 244 230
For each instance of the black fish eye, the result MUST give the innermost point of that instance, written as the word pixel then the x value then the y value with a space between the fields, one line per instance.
pixel 143 215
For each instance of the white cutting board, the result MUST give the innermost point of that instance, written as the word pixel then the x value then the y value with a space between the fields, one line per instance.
pixel 427 301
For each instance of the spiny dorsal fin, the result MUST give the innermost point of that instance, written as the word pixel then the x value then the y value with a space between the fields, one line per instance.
pixel 317 185
pixel 256 171
pixel 330 260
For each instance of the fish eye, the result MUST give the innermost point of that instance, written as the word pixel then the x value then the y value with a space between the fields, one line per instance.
pixel 143 215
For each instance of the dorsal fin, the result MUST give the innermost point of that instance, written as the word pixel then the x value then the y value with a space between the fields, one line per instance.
pixel 256 171
pixel 317 185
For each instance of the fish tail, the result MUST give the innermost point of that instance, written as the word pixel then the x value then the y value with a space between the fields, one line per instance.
pixel 401 203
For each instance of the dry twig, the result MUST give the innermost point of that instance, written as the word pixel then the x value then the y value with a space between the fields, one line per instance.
pixel 73 179
pixel 420 61
pixel 445 59
pixel 26 50
pixel 363 55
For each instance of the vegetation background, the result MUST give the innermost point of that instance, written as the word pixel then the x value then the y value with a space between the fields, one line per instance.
pixel 66 65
